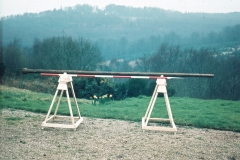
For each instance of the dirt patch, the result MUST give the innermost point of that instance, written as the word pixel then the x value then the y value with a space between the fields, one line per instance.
pixel 23 138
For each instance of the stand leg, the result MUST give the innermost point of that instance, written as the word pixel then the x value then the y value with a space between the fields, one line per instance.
pixel 150 103
pixel 169 110
pixel 75 100
pixel 49 111
pixel 70 108
pixel 55 113
pixel 151 107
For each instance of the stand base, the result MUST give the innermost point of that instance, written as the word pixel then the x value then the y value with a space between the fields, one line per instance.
pixel 73 126
pixel 156 128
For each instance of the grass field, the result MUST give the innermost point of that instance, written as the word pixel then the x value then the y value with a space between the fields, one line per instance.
pixel 214 114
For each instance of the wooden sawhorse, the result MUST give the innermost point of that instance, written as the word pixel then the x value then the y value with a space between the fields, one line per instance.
pixel 160 88
pixel 64 82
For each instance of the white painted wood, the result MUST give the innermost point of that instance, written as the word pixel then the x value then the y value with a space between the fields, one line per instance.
pixel 75 100
pixel 158 120
pixel 169 110
pixel 59 100
pixel 51 105
pixel 63 125
pixel 70 107
pixel 64 82
pixel 160 88
pixel 150 104
pixel 168 129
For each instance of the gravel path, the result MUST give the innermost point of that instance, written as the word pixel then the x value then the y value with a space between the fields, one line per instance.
pixel 23 138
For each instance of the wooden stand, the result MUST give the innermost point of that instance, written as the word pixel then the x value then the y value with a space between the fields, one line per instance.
pixel 160 88
pixel 65 82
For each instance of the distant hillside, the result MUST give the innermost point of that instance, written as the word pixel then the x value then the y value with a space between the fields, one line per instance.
pixel 129 39
pixel 114 22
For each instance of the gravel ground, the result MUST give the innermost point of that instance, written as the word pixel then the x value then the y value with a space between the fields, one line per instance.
pixel 23 138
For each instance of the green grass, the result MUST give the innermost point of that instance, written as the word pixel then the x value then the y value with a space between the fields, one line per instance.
pixel 215 114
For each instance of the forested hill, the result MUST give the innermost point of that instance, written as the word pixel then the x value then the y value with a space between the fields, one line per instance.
pixel 128 39
pixel 114 22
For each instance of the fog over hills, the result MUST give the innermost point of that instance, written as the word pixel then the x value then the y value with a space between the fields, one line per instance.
pixel 117 25
pixel 113 22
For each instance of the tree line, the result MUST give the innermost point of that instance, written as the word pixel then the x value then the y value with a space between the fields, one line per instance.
pixel 124 48
pixel 114 22
pixel 81 54
pixel 224 65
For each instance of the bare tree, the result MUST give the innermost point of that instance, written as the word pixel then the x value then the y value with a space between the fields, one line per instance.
pixel 66 53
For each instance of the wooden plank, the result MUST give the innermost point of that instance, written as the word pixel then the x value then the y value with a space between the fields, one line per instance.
pixel 58 125
pixel 158 120
pixel 72 126
pixel 78 122
pixel 51 117
pixel 160 128
pixel 65 117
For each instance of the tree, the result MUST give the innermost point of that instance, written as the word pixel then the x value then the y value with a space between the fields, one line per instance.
pixel 2 65
pixel 87 87
pixel 13 57
pixel 2 69
pixel 89 55
pixel 65 53
pixel 166 59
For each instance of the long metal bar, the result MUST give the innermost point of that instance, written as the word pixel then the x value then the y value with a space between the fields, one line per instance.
pixel 26 70
pixel 109 76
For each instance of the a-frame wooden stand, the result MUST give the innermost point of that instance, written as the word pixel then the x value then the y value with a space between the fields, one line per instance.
pixel 160 88
pixel 64 82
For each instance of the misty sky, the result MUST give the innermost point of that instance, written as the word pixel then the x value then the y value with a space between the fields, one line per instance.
pixel 14 7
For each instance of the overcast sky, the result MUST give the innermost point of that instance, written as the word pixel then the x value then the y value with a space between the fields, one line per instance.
pixel 14 7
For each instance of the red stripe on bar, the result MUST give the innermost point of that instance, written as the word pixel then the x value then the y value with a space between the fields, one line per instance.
pixel 49 74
